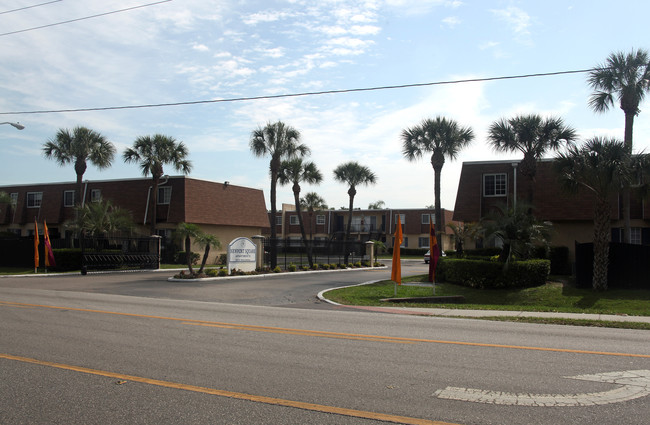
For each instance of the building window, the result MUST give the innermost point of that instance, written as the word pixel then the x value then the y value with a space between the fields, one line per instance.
pixel 494 185
pixel 14 198
pixel 164 195
pixel 68 198
pixel 320 219
pixel 423 242
pixel 34 199
pixel 427 217
pixel 95 195
pixel 293 220
pixel 278 220
pixel 635 235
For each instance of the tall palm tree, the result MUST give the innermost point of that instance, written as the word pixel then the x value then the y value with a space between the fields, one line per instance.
pixel 297 171
pixel 625 77
pixel 152 152
pixel 443 138
pixel 533 136
pixel 80 146
pixel 311 202
pixel 279 141
pixel 353 174
pixel 601 166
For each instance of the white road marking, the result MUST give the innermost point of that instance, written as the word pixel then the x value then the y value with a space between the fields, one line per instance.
pixel 634 384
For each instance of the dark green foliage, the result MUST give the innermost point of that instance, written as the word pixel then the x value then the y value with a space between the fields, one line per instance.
pixel 67 259
pixel 483 252
pixel 223 259
pixel 179 258
pixel 490 274
pixel 410 251
pixel 560 264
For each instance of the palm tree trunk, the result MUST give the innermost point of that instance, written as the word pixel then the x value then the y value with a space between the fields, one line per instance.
pixel 80 168
pixel 438 214
pixel 154 204
pixel 188 254
pixel 296 198
pixel 273 252
pixel 625 210
pixel 346 255
pixel 601 245
pixel 205 257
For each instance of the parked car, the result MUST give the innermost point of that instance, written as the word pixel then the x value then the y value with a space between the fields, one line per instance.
pixel 427 256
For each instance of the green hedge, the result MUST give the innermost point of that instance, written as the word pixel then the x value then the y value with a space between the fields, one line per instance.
pixel 179 258
pixel 410 251
pixel 67 259
pixel 490 274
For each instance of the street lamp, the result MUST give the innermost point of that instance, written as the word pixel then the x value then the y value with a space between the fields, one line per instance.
pixel 17 125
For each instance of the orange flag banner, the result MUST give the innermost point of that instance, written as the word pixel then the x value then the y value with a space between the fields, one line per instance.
pixel 36 242
pixel 49 254
pixel 396 272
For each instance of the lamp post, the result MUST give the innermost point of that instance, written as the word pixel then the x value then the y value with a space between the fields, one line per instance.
pixel 17 125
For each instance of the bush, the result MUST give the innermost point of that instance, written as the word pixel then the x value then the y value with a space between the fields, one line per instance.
pixel 292 267
pixel 482 252
pixel 212 272
pixel 325 266
pixel 357 264
pixel 304 268
pixel 67 259
pixel 222 259
pixel 179 258
pixel 333 266
pixel 314 267
pixel 277 269
pixel 490 274
pixel 222 272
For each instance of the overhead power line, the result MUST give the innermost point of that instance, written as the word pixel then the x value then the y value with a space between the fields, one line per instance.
pixel 29 7
pixel 279 96
pixel 84 18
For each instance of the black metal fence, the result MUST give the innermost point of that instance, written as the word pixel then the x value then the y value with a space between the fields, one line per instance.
pixel 120 253
pixel 294 251
pixel 629 265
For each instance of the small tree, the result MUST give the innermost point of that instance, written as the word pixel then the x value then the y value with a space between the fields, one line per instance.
pixel 462 231
pixel 518 231
pixel 207 241
pixel 101 219
pixel 187 231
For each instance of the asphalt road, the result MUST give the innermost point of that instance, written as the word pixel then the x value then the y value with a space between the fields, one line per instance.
pixel 134 348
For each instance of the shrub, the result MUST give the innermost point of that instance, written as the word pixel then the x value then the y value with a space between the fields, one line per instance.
pixel 357 264
pixel 222 259
pixel 325 266
pixel 212 272
pixel 179 258
pixel 490 274
pixel 366 264
pixel 67 259
pixel 292 267
pixel 222 272
pixel 304 268
pixel 277 269
pixel 314 267
pixel 333 266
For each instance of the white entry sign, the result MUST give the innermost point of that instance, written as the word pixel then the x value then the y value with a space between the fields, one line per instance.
pixel 242 255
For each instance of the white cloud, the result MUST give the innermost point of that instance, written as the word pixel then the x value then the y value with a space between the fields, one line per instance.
pixel 200 47
pixel 516 18
pixel 451 21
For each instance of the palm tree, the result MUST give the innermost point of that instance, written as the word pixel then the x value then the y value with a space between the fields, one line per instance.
pixel 442 138
pixel 152 152
pixel 185 232
pixel 462 231
pixel 207 241
pixel 601 166
pixel 312 201
pixel 353 174
pixel 279 141
pixel 627 78
pixel 533 136
pixel 101 219
pixel 517 229
pixel 376 205
pixel 80 146
pixel 296 171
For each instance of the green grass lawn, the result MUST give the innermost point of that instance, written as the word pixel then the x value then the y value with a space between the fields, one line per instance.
pixel 553 297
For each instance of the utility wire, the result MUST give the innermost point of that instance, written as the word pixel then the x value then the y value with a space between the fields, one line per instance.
pixel 279 96
pixel 29 7
pixel 84 18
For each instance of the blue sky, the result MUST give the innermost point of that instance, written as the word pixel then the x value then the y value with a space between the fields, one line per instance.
pixel 189 50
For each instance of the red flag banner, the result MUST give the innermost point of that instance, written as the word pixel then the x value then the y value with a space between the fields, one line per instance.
pixel 36 242
pixel 396 271
pixel 49 254
pixel 435 252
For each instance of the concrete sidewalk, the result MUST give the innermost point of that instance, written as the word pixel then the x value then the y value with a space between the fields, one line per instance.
pixel 453 312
